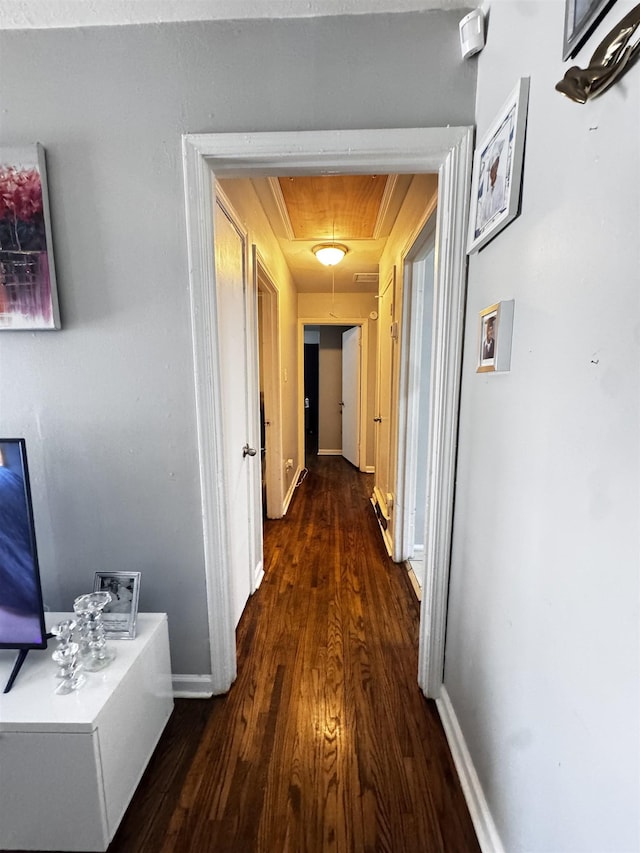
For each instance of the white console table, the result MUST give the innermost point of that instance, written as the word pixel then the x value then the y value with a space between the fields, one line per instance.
pixel 69 765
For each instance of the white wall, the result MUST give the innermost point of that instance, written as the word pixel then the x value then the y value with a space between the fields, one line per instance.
pixel 542 658
pixel 107 404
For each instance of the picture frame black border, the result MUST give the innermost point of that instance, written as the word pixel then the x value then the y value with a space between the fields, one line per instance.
pixel 573 41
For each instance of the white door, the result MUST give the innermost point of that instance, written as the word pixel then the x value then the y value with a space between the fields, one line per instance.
pixel 351 395
pixel 240 438
pixel 385 371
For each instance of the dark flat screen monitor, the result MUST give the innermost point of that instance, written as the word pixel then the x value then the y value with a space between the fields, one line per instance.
pixel 21 607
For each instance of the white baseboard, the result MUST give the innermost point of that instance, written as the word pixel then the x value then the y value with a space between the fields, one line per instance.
pixel 329 452
pixel 418 553
pixel 386 537
pixel 258 575
pixel 192 686
pixel 484 826
pixel 417 589
pixel 290 492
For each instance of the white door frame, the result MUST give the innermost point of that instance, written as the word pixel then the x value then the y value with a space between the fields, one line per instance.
pixel 364 349
pixel 446 151
pixel 272 388
pixel 409 386
pixel 350 379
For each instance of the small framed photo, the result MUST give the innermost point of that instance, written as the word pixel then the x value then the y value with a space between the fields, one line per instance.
pixel 580 19
pixel 497 170
pixel 120 615
pixel 495 331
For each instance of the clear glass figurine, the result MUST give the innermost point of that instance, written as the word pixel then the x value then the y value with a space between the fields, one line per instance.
pixel 95 654
pixel 70 676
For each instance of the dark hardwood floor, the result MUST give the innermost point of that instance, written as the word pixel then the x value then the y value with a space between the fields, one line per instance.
pixel 324 742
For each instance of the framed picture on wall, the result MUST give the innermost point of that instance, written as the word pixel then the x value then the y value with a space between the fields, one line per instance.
pixel 495 330
pixel 497 170
pixel 580 19
pixel 28 295
pixel 120 615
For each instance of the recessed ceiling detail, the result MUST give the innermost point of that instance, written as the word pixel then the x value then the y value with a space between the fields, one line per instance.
pixel 358 271
pixel 341 207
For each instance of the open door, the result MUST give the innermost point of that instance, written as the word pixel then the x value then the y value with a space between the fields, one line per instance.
pixel 236 302
pixel 351 395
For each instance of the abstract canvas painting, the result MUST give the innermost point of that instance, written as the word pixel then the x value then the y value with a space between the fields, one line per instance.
pixel 28 295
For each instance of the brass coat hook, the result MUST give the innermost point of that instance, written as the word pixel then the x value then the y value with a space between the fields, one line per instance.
pixel 613 57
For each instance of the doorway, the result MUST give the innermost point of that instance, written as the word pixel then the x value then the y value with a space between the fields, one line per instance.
pixel 321 340
pixel 332 391
pixel 446 151
pixel 415 384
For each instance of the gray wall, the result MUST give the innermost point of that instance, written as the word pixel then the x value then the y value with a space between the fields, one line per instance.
pixel 107 404
pixel 542 655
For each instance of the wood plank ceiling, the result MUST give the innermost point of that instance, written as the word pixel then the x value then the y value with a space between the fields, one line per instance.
pixel 333 207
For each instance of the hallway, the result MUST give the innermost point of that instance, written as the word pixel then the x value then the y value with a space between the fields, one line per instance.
pixel 324 742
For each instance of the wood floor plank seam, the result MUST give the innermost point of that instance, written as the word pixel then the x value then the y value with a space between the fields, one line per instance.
pixel 324 744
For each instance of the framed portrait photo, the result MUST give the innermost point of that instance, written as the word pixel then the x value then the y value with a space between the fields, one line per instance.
pixel 495 331
pixel 580 19
pixel 120 615
pixel 497 170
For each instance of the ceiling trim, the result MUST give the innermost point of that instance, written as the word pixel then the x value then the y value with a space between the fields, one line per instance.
pixel 385 201
pixel 283 210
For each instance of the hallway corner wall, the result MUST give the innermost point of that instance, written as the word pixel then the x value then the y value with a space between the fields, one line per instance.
pixel 543 650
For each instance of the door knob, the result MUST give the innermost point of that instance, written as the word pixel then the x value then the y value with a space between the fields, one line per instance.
pixel 377 420
pixel 248 451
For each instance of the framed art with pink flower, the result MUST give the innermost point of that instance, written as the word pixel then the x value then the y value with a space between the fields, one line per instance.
pixel 28 294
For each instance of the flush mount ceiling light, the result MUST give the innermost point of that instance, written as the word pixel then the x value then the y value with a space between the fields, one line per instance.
pixel 330 254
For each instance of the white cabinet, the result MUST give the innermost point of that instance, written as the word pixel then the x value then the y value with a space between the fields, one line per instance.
pixel 69 765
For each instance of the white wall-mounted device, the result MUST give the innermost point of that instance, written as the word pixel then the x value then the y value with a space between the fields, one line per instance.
pixel 472 33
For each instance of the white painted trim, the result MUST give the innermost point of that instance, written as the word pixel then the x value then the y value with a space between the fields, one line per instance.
pixel 385 201
pixel 192 686
pixel 330 452
pixel 273 388
pixel 281 206
pixel 397 150
pixel 258 575
pixel 364 398
pixel 292 490
pixel 483 822
pixel 413 302
pixel 446 368
pixel 199 203
pixel 417 591
pixel 378 502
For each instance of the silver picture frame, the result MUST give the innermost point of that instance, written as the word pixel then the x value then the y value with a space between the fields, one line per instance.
pixel 497 170
pixel 495 333
pixel 120 615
